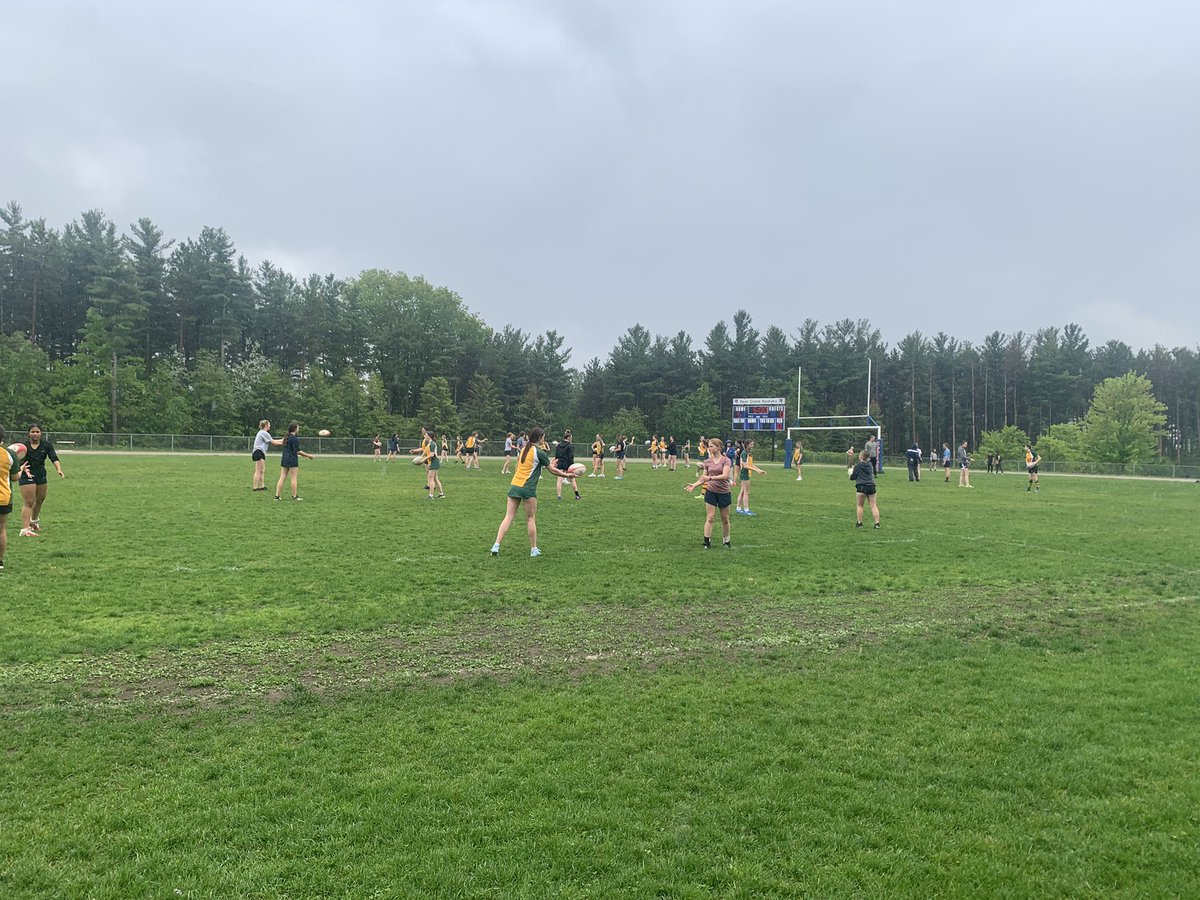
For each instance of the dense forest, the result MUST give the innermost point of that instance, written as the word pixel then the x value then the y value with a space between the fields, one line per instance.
pixel 105 331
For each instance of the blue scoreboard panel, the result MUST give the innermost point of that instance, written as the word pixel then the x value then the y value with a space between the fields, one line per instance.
pixel 759 413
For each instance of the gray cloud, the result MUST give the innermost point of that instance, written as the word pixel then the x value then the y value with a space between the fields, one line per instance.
pixel 583 166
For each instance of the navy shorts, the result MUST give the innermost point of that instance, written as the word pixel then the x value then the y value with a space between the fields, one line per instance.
pixel 32 479
pixel 720 501
pixel 257 455
pixel 6 509
pixel 867 489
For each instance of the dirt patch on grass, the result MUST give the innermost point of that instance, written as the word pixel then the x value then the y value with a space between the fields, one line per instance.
pixel 571 643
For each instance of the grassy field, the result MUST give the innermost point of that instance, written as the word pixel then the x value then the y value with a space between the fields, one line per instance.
pixel 206 693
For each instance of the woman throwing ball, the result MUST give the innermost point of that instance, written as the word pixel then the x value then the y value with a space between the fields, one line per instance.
pixel 530 462
pixel 714 475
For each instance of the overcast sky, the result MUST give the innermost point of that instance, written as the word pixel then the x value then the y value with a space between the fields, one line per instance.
pixel 965 167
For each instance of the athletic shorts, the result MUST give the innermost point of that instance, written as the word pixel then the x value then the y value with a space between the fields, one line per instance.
pixel 5 509
pixel 745 475
pixel 1032 470
pixel 508 453
pixel 720 501
pixel 434 463
pixel 32 479
pixel 521 493
pixel 473 451
pixel 867 489
pixel 257 455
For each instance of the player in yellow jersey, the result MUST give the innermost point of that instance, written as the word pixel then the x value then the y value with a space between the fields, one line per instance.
pixel 7 464
pixel 433 465
pixel 598 457
pixel 523 490
pixel 745 467
pixel 797 458
pixel 1031 466
pixel 471 450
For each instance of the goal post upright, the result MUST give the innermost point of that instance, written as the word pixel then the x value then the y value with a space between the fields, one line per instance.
pixel 868 421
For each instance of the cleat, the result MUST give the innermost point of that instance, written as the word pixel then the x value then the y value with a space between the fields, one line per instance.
pixel 276 496
pixel 28 532
pixel 876 524
pixel 297 498
pixel 728 545
pixel 534 552
pixel 748 513
pixel 35 524
pixel 495 549
pixel 441 496
pixel 858 524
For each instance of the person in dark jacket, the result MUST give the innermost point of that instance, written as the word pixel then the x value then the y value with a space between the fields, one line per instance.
pixel 914 462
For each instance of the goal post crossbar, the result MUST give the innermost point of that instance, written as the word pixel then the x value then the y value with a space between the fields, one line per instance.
pixel 866 423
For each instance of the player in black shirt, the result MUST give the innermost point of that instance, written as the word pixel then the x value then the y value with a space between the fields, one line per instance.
pixel 33 480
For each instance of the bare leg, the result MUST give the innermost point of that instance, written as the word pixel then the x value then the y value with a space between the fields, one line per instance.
pixel 509 513
pixel 710 512
pixel 28 495
pixel 279 485
pixel 725 523
pixel 295 479
pixel 531 521
pixel 874 509
pixel 859 509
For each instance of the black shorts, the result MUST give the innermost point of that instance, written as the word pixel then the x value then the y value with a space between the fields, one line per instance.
pixel 257 455
pixel 473 451
pixel 32 479
pixel 5 509
pixel 720 501
pixel 508 453
pixel 867 489
pixel 1032 470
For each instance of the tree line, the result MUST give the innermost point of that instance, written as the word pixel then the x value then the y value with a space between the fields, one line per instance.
pixel 109 331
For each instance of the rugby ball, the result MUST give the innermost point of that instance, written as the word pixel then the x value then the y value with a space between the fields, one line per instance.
pixel 612 449
pixel 324 432
pixel 17 451
pixel 577 468
pixel 647 443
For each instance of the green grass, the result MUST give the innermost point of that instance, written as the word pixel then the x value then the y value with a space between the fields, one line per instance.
pixel 209 694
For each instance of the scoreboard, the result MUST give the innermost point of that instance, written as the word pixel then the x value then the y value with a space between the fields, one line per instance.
pixel 759 413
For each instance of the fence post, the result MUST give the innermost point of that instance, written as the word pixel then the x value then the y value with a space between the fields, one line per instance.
pixel 210 443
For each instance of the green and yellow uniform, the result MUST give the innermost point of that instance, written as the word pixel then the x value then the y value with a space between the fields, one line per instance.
pixel 6 464
pixel 529 469
pixel 430 449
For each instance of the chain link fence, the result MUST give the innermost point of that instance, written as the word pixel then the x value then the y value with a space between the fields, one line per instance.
pixel 360 446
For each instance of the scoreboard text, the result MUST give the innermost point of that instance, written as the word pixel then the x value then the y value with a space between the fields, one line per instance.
pixel 759 413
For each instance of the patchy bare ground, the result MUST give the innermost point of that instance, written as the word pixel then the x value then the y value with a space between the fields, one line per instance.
pixel 578 642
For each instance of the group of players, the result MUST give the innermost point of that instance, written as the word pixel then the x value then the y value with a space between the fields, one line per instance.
pixel 25 462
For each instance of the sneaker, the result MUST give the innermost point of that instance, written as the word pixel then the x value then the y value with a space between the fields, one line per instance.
pixel 858 524
pixel 1 565
pixel 601 474
pixel 35 524
pixel 728 545
pixel 441 496
pixel 876 524
pixel 558 497
pixel 301 498
pixel 577 497
pixel 276 496
pixel 738 510
pixel 592 475
pixel 28 532
pixel 534 552
pixel 707 544
pixel 798 478
pixel 748 513
pixel 619 478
